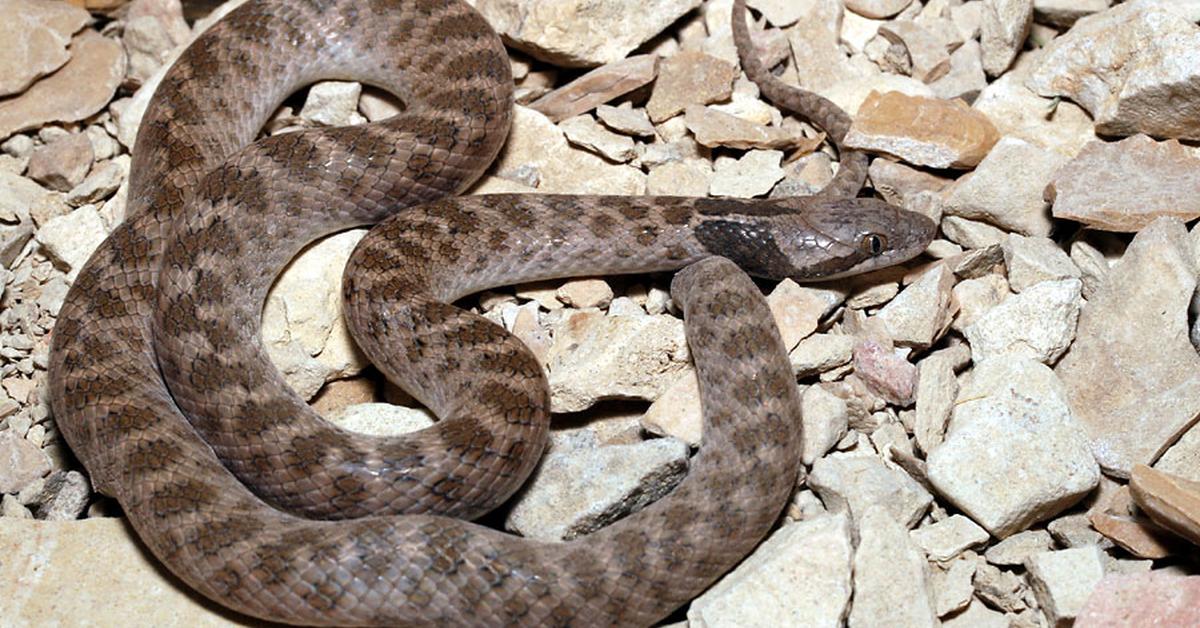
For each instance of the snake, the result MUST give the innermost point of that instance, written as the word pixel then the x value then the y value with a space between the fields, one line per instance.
pixel 160 385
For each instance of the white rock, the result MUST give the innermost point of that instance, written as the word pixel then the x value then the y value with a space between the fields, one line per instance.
pixel 944 540
pixel 820 353
pixel 891 577
pixel 72 238
pixel 754 174
pixel 1018 547
pixel 855 482
pixel 1033 260
pixel 381 419
pixel 799 576
pixel 579 490
pixel 333 103
pixel 1005 26
pixel 1038 323
pixel 1063 580
pixel 1006 188
pixel 826 419
pixel 921 313
pixel 1014 454
pixel 584 131
pixel 677 411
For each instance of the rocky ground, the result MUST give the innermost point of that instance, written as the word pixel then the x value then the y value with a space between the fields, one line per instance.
pixel 997 434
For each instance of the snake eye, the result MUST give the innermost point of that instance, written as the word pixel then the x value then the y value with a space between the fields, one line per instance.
pixel 873 243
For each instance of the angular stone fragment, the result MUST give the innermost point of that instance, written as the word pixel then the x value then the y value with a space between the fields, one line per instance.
pixel 153 30
pixel 965 78
pixel 1038 323
pixel 949 537
pixel 1171 501
pixel 854 482
pixel 1155 179
pixel 922 312
pixel 35 36
pixel 1132 376
pixel 1031 261
pixel 1134 67
pixel 877 9
pixel 1128 601
pixel 585 132
pixel 714 128
pixel 597 87
pixel 936 390
pixel 77 90
pixel 1012 420
pixel 821 352
pixel 799 576
pixel 690 177
pixel 71 239
pixel 63 163
pixel 922 131
pixel 754 174
pixel 1005 26
pixel 1016 548
pixel 579 33
pixel 825 419
pixel 885 371
pixel 689 78
pixel 1063 580
pixel 1066 12
pixel 333 103
pixel 579 490
pixel 1006 188
pixel 1018 112
pixel 21 462
pixel 891 577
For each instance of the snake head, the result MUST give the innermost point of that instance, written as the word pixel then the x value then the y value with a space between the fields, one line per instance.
pixel 818 239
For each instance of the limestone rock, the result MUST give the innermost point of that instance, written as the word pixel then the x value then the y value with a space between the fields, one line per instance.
pixel 598 86
pixel 944 540
pixel 922 131
pixel 1038 323
pixel 1031 261
pixel 891 577
pixel 585 132
pixel 689 78
pixel 580 490
pixel 72 238
pixel 1005 26
pixel 154 29
pixel 825 418
pixel 63 163
pixel 1063 580
pixel 1018 547
pixel 577 33
pixel 714 128
pixel 1132 376
pixel 21 462
pixel 1012 420
pixel 333 103
pixel 754 174
pixel 36 35
pixel 799 576
pixel 1127 601
pixel 1171 501
pixel 381 419
pixel 1153 179
pixel 1006 188
pixel 820 353
pixel 854 483
pixel 919 315
pixel 877 9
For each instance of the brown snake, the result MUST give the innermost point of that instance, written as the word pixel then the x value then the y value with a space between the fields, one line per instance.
pixel 214 216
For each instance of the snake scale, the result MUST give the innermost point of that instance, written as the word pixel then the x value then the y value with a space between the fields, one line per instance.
pixel 161 388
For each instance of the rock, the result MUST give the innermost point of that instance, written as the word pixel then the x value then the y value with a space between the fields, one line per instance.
pixel 825 418
pixel 599 86
pixel 381 419
pixel 908 187
pixel 577 33
pixel 820 353
pixel 952 587
pixel 885 371
pixel 1131 375
pixel 899 126
pixel 965 78
pixel 303 330
pixel 677 411
pixel 1133 67
pixel 891 577
pixel 333 103
pixel 689 78
pixel 55 562
pixel 580 490
pixel 1012 420
pixel 585 293
pixel 36 37
pixel 817 52
pixel 598 357
pixel 799 576
pixel 714 128
pixel 1006 188
pixel 1129 601
pixel 154 29
pixel 1031 261
pixel 22 462
pixel 1005 26
pixel 854 483
pixel 1156 180
pixel 798 309
pixel 103 181
pixel 72 238
pixel 691 177
pixel 1038 323
pixel 946 539
pixel 976 615
pixel 1066 12
pixel 1002 589
pixel 1171 501
pixel 976 296
pixel 1018 112
pixel 626 120
pixel 77 90
pixel 63 163
pixel 1017 548
pixel 1063 580
pixel 64 497
pixel 535 145
pixel 754 174
pixel 936 391
pixel 1076 531
pixel 919 315
pixel 877 9
pixel 926 57
pixel 585 132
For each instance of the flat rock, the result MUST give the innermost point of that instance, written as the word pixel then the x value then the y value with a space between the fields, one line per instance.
pixel 976 615
pixel 63 163
pixel 626 120
pixel 51 567
pixel 72 238
pixel 585 132
pixel 689 78
pixel 1038 323
pixel 578 33
pixel 77 90
pixel 799 576
pixel 1006 188
pixel 1135 401
pixel 825 418
pixel 1156 179
pixel 952 585
pixel 753 174
pixel 597 87
pixel 689 177
pixel 597 357
pixel 1171 501
pixel 965 78
pixel 1012 420
pixel 579 490
pixel 1134 67
pixel 36 37
pixel 877 9
pixel 922 131
pixel 937 388
pixel 21 462
pixel 1063 580
pixel 1129 600
pixel 820 61
pixel 820 353
pixel 64 497
pixel 854 482
pixel 154 29
pixel 1018 112
pixel 945 539
pixel 1031 261
pixel 715 128
pixel 1018 547
pixel 333 103
pixel 381 419
pixel 1066 12
pixel 891 578
pixel 919 315
pixel 1004 28
pixel 885 371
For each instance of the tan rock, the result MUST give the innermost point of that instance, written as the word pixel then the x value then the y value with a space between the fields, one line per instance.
pixel 820 353
pixel 676 412
pixel 1066 12
pixel 936 391
pixel 21 462
pixel 333 103
pixel 877 9
pixel 922 131
pixel 754 174
pixel 1062 581
pixel 689 78
pixel 577 33
pixel 1134 402
pixel 626 120
pixel 76 91
pixel 927 57
pixel 1018 112
pixel 919 315
pixel 1129 601
pixel 714 128
pixel 891 578
pixel 1006 188
pixel 63 163
pixel 965 79
pixel 153 31
pixel 585 293
pixel 814 38
pixel 1039 323
pixel 855 483
pixel 35 36
pixel 1031 261
pixel 1171 501
pixel 1156 179
pixel 1018 547
pixel 597 87
pixel 690 177
pixel 72 238
pixel 1005 26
